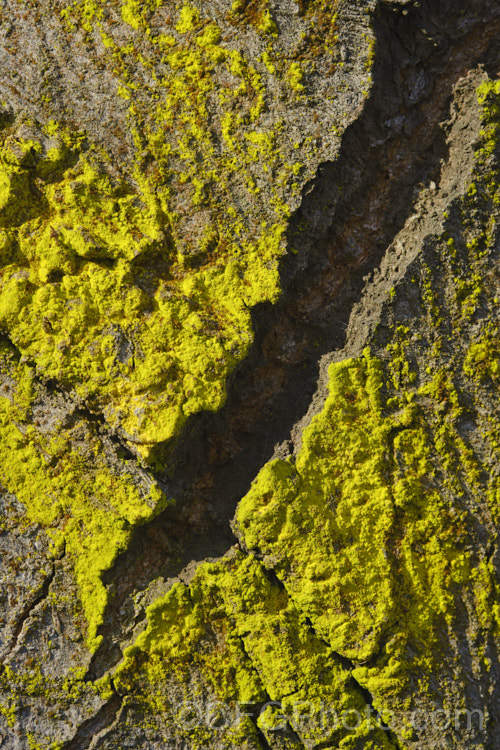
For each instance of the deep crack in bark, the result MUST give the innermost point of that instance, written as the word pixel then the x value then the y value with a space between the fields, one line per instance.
pixel 395 146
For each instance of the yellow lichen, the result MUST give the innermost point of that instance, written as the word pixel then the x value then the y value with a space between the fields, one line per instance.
pixel 86 506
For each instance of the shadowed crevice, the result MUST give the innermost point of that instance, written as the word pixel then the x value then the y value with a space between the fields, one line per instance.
pixel 348 217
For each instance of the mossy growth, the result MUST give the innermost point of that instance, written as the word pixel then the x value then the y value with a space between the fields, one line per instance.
pixel 82 502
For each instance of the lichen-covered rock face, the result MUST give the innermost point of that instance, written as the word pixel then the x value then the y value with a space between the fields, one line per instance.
pixel 249 374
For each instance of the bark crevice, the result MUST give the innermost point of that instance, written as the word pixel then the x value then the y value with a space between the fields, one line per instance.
pixel 396 146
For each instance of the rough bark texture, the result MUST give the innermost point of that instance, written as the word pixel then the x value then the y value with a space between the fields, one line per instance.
pixel 249 374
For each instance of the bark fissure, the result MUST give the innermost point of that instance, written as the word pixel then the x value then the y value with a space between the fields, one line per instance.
pixel 396 146
pixel 40 595
pixel 107 716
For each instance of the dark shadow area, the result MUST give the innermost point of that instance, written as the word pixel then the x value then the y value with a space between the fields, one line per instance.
pixel 349 215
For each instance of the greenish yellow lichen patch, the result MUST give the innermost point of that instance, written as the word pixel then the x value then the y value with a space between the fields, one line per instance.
pixel 483 358
pixel 370 551
pixel 335 492
pixel 260 647
pixel 488 94
pixel 79 298
pixel 138 298
pixel 296 76
pixel 369 548
pixel 83 503
pixel 133 11
pixel 53 695
pixel 255 12
pixel 363 543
